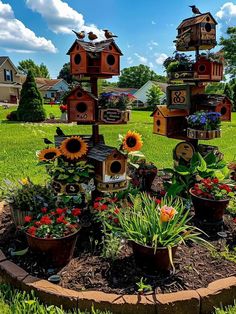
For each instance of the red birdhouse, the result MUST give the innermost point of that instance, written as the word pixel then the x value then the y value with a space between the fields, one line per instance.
pixel 207 70
pixel 101 59
pixel 81 106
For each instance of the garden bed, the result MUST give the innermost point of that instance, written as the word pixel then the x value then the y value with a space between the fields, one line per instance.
pixel 195 266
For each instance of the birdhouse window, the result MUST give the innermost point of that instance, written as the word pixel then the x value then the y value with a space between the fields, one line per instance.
pixel 158 122
pixel 110 47
pixel 201 68
pixel 111 60
pixel 81 107
pixel 79 94
pixel 115 167
pixel 223 111
pixel 208 27
pixel 208 19
pixel 77 59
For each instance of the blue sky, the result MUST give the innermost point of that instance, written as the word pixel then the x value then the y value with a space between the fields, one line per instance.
pixel 41 29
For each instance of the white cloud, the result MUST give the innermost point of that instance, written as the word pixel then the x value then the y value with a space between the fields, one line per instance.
pixel 130 60
pixel 61 18
pixel 226 16
pixel 141 59
pixel 161 58
pixel 15 36
pixel 151 64
pixel 153 23
pixel 152 44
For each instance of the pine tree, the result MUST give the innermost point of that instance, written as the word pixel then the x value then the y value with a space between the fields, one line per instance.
pixel 30 107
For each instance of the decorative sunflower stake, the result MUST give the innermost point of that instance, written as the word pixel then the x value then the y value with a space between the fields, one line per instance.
pixel 132 142
pixel 73 147
pixel 49 154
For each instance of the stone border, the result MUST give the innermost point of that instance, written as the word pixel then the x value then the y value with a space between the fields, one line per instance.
pixel 200 301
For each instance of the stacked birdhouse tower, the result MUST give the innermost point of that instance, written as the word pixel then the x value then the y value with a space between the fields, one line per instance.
pixel 90 61
pixel 186 92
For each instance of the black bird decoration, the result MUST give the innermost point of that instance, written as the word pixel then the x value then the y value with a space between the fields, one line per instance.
pixel 92 36
pixel 195 10
pixel 60 132
pixel 80 35
pixel 109 34
pixel 47 141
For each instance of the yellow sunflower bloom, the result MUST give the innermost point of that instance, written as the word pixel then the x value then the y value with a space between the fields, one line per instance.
pixel 48 154
pixel 74 147
pixel 132 141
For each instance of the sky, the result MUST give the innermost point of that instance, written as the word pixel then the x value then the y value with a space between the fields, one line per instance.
pixel 42 29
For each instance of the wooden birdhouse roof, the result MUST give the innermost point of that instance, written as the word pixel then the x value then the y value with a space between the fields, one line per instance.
pixel 95 46
pixel 196 20
pixel 100 152
pixel 169 113
pixel 211 100
pixel 79 88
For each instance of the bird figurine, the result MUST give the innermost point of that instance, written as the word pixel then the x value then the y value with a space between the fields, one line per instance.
pixel 109 34
pixel 92 36
pixel 80 35
pixel 195 10
pixel 60 132
pixel 47 141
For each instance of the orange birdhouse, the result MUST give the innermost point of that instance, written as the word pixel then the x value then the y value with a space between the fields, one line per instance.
pixel 81 106
pixel 100 59
pixel 207 70
pixel 171 123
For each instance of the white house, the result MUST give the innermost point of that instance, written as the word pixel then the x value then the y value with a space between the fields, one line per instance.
pixel 51 88
pixel 141 93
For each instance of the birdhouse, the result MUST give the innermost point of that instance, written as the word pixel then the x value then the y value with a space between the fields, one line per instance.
pixel 171 123
pixel 197 32
pixel 207 70
pixel 100 59
pixel 213 102
pixel 110 168
pixel 178 96
pixel 81 106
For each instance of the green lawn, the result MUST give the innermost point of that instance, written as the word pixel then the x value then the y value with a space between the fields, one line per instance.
pixel 20 141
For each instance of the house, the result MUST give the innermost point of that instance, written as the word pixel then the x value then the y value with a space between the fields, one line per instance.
pixel 51 88
pixel 141 93
pixel 10 81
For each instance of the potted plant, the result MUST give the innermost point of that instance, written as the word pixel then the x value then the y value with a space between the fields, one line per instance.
pixel 179 67
pixel 26 198
pixel 155 228
pixel 54 233
pixel 210 198
pixel 114 108
pixel 63 109
pixel 204 125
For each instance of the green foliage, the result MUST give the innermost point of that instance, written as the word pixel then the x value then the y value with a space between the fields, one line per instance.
pixel 137 76
pixel 215 88
pixel 30 107
pixel 229 49
pixel 153 96
pixel 231 309
pixel 37 70
pixel 229 255
pixel 228 91
pixel 12 116
pixel 234 97
pixel 143 286
pixel 111 245
pixel 65 73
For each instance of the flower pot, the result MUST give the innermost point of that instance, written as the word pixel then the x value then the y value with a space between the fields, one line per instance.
pixel 207 210
pixel 58 251
pixel 203 135
pixel 18 216
pixel 114 116
pixel 145 256
pixel 180 75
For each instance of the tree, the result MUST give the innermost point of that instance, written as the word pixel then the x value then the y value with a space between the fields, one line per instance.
pixel 229 50
pixel 37 70
pixel 137 76
pixel 65 73
pixel 30 107
pixel 153 96
pixel 234 97
pixel 228 91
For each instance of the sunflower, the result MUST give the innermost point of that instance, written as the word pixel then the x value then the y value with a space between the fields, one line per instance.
pixel 48 154
pixel 132 141
pixel 74 147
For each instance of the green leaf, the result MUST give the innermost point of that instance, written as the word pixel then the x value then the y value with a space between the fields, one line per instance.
pixel 62 177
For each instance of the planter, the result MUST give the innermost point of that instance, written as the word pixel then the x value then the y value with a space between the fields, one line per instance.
pixel 18 216
pixel 145 256
pixel 58 251
pixel 113 116
pixel 203 135
pixel 206 210
pixel 181 75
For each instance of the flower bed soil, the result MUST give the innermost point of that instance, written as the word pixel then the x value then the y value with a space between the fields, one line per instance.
pixel 195 267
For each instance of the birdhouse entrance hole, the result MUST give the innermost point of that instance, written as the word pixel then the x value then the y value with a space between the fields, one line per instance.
pixel 111 60
pixel 202 68
pixel 223 111
pixel 79 94
pixel 115 167
pixel 208 27
pixel 77 59
pixel 81 107
pixel 158 122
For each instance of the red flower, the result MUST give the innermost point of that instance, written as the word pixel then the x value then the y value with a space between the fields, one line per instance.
pixel 157 201
pixel 114 199
pixel 96 205
pixel 104 207
pixel 163 193
pixel 32 230
pixel 234 220
pixel 116 211
pixel 60 219
pixel 44 210
pixel 98 199
pixel 59 211
pixel 116 220
pixel 45 220
pixel 37 223
pixel 215 180
pixel 28 218
pixel 76 212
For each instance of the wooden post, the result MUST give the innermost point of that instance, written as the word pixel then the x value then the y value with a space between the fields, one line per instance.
pixel 94 90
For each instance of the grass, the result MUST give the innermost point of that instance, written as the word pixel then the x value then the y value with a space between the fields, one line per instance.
pixel 231 309
pixel 13 301
pixel 20 141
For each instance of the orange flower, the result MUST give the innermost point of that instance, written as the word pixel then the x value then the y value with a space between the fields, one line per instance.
pixel 167 213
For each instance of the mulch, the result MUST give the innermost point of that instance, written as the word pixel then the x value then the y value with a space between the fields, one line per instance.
pixel 195 266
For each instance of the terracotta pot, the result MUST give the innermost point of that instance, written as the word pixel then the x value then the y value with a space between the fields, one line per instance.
pixel 58 251
pixel 208 210
pixel 18 216
pixel 203 135
pixel 145 256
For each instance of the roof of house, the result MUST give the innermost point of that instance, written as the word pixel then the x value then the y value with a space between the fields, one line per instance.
pixel 95 46
pixel 3 59
pixel 195 20
pixel 118 90
pixel 209 99
pixel 100 152
pixel 167 113
pixel 162 86
pixel 44 84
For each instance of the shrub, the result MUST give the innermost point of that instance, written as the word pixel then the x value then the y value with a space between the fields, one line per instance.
pixel 30 108
pixel 12 116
